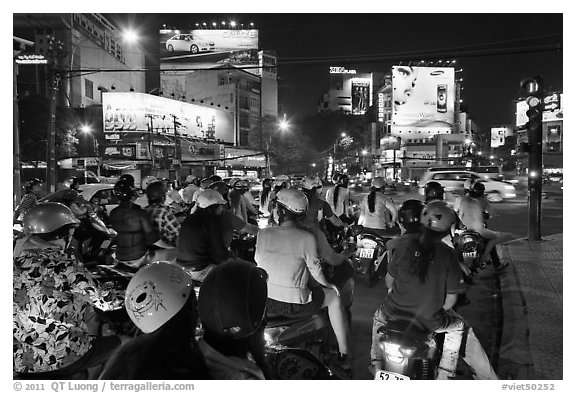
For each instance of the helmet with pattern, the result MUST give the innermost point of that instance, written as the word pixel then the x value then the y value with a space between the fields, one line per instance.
pixel 293 200
pixel 156 293
pixel 438 216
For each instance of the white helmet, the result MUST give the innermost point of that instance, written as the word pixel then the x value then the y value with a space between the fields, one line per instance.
pixel 208 198
pixel 309 182
pixel 281 179
pixel 147 181
pixel 156 293
pixel 190 178
pixel 378 182
pixel 293 200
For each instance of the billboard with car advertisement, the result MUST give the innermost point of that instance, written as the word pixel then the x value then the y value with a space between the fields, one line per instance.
pixel 139 112
pixel 422 99
pixel 207 48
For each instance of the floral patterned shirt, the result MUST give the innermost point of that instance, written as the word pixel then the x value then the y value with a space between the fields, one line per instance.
pixel 53 296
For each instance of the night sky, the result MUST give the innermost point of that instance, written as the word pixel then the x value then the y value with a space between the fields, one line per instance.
pixel 491 72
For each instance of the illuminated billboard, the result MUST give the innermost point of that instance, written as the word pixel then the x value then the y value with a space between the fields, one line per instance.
pixel 139 112
pixel 204 48
pixel 423 98
pixel 360 96
pixel 499 134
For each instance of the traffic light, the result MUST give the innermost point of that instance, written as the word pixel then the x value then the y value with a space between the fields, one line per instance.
pixel 533 90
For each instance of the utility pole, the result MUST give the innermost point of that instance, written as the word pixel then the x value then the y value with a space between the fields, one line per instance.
pixel 16 143
pixel 51 180
pixel 151 141
pixel 534 90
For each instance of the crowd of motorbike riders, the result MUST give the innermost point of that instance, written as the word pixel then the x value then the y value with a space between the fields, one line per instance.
pixel 170 239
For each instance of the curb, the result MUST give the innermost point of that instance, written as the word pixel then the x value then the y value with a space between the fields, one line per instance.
pixel 514 355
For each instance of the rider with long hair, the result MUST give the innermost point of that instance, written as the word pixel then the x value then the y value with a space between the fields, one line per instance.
pixel 424 280
pixel 378 213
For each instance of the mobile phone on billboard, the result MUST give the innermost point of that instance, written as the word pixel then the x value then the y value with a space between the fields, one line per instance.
pixel 442 98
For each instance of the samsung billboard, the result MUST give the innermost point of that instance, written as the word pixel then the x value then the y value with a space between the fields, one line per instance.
pixel 139 112
pixel 423 99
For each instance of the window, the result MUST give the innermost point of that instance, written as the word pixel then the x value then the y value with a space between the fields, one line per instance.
pixel 221 81
pixel 89 88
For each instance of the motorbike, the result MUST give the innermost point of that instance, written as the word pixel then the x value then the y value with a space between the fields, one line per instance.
pixel 371 259
pixel 302 348
pixel 95 241
pixel 409 352
pixel 469 246
pixel 243 246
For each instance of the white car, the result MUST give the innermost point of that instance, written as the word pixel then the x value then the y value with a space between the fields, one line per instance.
pixel 453 181
pixel 186 43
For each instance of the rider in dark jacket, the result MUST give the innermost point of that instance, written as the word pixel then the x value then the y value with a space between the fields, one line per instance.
pixel 134 227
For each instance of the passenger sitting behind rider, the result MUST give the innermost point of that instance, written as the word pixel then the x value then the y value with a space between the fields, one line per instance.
pixel 473 209
pixel 424 280
pixel 161 302
pixel 134 227
pixel 232 307
pixel 54 295
pixel 201 243
pixel 378 213
pixel 289 254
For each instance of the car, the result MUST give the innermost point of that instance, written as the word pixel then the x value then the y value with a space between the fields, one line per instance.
pixel 453 181
pixel 100 194
pixel 187 43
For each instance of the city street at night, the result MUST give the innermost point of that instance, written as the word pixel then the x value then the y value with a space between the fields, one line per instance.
pixel 331 192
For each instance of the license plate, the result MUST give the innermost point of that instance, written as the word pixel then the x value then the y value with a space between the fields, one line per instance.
pixel 366 252
pixel 105 244
pixel 388 376
pixel 472 254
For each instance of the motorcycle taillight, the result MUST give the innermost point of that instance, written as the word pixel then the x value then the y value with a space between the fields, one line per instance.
pixel 396 353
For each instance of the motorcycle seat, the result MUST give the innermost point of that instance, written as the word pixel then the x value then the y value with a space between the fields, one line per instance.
pixel 282 320
pixel 407 330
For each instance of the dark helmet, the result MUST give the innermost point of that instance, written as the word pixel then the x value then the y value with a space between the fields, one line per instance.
pixel 409 214
pixel 220 186
pixel 343 180
pixel 215 178
pixel 156 192
pixel 124 191
pixel 47 217
pixel 438 216
pixel 31 183
pixel 242 185
pixel 433 190
pixel 267 183
pixel 72 183
pixel 232 301
pixel 126 178
pixel 477 189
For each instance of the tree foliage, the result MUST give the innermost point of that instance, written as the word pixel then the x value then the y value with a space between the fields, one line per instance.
pixel 34 115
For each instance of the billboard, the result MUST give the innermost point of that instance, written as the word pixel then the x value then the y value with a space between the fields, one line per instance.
pixel 139 112
pixel 360 96
pixel 499 134
pixel 423 98
pixel 203 48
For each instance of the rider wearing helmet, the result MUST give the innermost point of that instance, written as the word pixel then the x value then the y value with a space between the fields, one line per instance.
pixel 378 213
pixel 128 179
pixel 173 197
pixel 230 222
pixel 289 268
pixel 142 200
pixel 340 199
pixel 433 191
pixel 161 302
pixel 134 227
pixel 232 307
pixel 473 210
pixel 201 245
pixel 192 185
pixel 164 222
pixel 32 190
pixel 240 205
pixel 424 280
pixel 54 295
